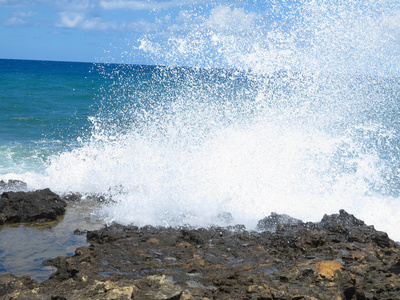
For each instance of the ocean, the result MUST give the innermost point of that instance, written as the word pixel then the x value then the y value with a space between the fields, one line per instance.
pixel 232 121
pixel 174 146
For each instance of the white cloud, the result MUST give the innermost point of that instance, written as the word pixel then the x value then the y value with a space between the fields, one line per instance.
pixel 19 18
pixel 80 21
pixel 14 21
pixel 96 14
pixel 70 19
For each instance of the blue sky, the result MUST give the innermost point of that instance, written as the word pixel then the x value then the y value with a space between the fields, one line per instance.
pixel 87 30
pixel 74 30
pixel 274 34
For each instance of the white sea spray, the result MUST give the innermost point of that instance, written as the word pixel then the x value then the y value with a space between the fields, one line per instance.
pixel 302 120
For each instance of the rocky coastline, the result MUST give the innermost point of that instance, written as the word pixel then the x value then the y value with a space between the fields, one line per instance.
pixel 339 257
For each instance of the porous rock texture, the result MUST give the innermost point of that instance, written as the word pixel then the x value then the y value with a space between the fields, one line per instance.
pixel 38 206
pixel 338 258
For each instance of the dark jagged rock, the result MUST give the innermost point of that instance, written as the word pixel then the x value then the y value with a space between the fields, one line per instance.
pixel 272 222
pixel 40 205
pixel 13 287
pixel 337 258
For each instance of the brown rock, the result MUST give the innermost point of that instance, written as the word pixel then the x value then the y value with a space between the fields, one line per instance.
pixel 338 258
pixel 156 287
pixel 327 269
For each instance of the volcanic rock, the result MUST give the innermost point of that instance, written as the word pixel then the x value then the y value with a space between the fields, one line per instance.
pixel 40 205
pixel 338 258
pixel 13 287
pixel 272 222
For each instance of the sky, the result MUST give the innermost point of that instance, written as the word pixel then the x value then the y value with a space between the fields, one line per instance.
pixel 268 34
pixel 86 30
pixel 74 30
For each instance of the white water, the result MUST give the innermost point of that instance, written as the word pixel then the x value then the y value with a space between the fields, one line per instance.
pixel 297 147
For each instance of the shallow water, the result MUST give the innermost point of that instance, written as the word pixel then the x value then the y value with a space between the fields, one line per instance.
pixel 24 247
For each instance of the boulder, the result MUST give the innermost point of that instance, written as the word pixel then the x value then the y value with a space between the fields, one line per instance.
pixel 272 222
pixel 39 206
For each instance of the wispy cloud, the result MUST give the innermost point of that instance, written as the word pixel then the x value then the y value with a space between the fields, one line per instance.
pixel 80 21
pixel 19 18
pixel 95 14
pixel 70 19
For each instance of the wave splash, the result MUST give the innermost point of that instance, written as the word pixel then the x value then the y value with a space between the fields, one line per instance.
pixel 300 121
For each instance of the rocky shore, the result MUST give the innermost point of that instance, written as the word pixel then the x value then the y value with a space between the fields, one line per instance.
pixel 339 257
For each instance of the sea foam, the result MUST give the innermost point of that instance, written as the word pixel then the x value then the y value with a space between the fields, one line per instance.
pixel 288 110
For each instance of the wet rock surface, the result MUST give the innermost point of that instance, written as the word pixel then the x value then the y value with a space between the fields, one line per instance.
pixel 39 206
pixel 337 258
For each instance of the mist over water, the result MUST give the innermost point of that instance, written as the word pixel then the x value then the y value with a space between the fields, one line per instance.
pixel 292 109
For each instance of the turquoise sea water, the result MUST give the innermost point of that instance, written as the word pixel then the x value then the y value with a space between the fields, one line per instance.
pixel 45 107
pixel 174 146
